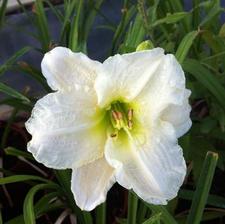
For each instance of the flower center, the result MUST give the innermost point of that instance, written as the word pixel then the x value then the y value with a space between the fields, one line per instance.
pixel 121 117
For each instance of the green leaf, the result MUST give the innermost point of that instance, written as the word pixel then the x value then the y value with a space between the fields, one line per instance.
pixel 12 60
pixel 16 152
pixel 154 219
pixel 74 33
pixel 2 12
pixel 132 208
pixel 171 18
pixel 206 78
pixel 213 200
pixel 101 213
pixel 214 11
pixel 28 205
pixel 185 46
pixel 13 93
pixel 42 25
pixel 20 178
pixel 165 215
pixel 202 190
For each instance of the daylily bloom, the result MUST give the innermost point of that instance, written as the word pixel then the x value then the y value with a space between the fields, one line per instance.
pixel 113 121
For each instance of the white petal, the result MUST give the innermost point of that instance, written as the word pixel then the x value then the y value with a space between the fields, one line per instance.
pixel 65 70
pixel 124 76
pixel 91 182
pixel 165 97
pixel 154 169
pixel 64 133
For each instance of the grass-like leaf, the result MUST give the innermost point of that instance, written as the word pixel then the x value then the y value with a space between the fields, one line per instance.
pixel 13 93
pixel 203 187
pixel 185 46
pixel 206 78
pixel 28 205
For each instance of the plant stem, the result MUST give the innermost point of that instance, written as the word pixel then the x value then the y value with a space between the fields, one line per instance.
pixel 101 214
pixel 132 208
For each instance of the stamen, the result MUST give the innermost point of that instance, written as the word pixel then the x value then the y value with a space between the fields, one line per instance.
pixel 114 115
pixel 130 124
pixel 130 114
pixel 117 115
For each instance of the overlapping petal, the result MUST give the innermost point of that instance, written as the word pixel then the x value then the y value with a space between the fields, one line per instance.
pixel 165 97
pixel 124 76
pixel 66 70
pixel 64 131
pixel 90 183
pixel 154 169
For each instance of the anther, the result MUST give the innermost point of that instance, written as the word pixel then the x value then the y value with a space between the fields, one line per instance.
pixel 130 124
pixel 113 135
pixel 130 114
pixel 117 115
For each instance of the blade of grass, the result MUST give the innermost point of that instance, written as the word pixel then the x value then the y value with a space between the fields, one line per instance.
pixel 12 60
pixel 2 12
pixel 101 214
pixel 28 205
pixel 166 216
pixel 20 178
pixel 16 152
pixel 203 187
pixel 74 32
pixel 213 200
pixel 42 25
pixel 155 219
pixel 132 208
pixel 185 46
pixel 206 78
pixel 142 211
pixel 13 93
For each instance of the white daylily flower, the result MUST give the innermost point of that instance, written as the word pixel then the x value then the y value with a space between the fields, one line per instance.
pixel 113 121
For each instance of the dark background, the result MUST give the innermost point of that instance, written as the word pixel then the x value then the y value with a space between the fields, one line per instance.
pixel 15 35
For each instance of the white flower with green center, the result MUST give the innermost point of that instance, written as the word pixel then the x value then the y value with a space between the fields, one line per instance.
pixel 113 121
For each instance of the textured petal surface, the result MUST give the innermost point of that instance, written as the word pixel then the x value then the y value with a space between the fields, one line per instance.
pixel 66 70
pixel 90 183
pixel 124 76
pixel 64 133
pixel 165 97
pixel 153 168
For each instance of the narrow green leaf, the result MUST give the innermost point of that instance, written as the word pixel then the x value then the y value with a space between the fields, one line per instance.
pixel 154 219
pixel 171 18
pixel 213 200
pixel 214 11
pixel 132 208
pixel 185 46
pixel 12 60
pixel 206 78
pixel 101 214
pixel 2 11
pixel 42 25
pixel 142 211
pixel 16 152
pixel 20 178
pixel 165 215
pixel 13 93
pixel 74 33
pixel 202 190
pixel 28 205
